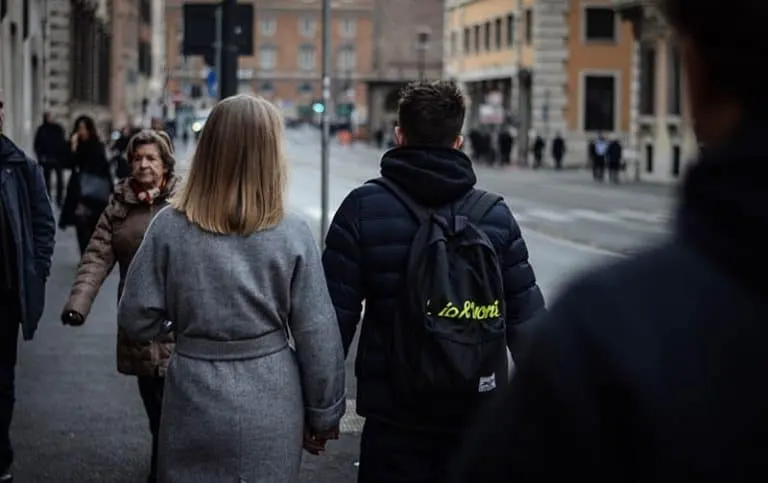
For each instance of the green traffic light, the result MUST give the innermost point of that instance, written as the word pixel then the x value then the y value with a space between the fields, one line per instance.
pixel 318 107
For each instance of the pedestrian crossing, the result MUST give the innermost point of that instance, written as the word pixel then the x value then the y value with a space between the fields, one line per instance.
pixel 656 220
pixel 573 215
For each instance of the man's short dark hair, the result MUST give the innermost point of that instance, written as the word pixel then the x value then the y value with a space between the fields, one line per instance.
pixel 431 113
pixel 730 39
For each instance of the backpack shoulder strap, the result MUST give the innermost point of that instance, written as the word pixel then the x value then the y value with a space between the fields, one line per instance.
pixel 478 204
pixel 419 212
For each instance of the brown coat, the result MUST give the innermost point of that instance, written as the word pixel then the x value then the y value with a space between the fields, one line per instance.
pixel 116 239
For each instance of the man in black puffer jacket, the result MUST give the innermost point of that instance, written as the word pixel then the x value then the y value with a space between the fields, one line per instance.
pixel 365 260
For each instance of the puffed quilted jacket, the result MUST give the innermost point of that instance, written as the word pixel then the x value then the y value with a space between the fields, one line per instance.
pixel 367 248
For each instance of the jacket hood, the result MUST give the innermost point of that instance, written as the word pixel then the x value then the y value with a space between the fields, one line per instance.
pixel 724 205
pixel 9 152
pixel 433 176
pixel 125 194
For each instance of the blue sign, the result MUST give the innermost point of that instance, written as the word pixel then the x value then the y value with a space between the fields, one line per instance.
pixel 211 82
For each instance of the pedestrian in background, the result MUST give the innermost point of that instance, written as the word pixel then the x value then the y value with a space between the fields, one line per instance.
pixel 236 275
pixel 653 369
pixel 558 150
pixel 117 236
pixel 27 230
pixel 51 152
pixel 90 186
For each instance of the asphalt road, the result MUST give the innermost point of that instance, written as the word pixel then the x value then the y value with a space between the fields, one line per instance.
pixel 79 421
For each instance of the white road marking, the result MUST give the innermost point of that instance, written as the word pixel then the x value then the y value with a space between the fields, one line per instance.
pixel 644 216
pixel 549 215
pixel 351 423
pixel 595 216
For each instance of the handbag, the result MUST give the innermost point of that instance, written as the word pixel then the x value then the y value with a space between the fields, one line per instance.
pixel 94 188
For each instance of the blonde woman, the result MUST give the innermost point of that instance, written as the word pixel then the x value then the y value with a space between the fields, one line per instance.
pixel 233 275
pixel 116 238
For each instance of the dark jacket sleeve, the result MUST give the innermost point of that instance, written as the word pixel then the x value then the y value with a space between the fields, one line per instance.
pixel 547 425
pixel 343 270
pixel 524 300
pixel 43 223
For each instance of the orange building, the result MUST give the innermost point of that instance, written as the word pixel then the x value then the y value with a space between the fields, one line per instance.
pixel 554 66
pixel 287 62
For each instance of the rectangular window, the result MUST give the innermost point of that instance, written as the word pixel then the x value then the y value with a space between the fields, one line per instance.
pixel 453 47
pixel 477 38
pixel 599 103
pixel 487 36
pixel 599 24
pixel 307 58
pixel 267 57
pixel 675 82
pixel 676 161
pixel 497 33
pixel 647 80
pixel 348 28
pixel 529 26
pixel 510 30
pixel 346 60
pixel 267 27
pixel 649 158
pixel 467 41
pixel 307 27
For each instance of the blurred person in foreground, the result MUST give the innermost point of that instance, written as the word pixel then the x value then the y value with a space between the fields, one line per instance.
pixel 117 237
pixel 653 369
pixel 416 412
pixel 27 230
pixel 233 275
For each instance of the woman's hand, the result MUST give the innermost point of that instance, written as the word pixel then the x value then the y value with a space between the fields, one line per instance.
pixel 73 142
pixel 72 318
pixel 315 441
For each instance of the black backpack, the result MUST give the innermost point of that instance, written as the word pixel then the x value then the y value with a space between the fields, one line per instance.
pixel 448 347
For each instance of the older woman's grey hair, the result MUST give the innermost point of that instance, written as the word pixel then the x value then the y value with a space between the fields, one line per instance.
pixel 157 138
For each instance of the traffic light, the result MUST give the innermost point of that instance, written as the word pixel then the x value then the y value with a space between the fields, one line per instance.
pixel 318 107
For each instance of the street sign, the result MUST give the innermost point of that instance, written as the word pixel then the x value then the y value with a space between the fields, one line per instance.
pixel 212 83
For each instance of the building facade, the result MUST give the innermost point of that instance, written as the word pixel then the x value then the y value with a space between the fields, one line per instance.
pixel 75 57
pixel 408 45
pixel 661 132
pixel 287 61
pixel 22 50
pixel 544 67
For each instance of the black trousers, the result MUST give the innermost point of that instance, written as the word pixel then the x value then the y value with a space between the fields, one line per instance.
pixel 390 454
pixel 54 168
pixel 85 226
pixel 9 341
pixel 151 390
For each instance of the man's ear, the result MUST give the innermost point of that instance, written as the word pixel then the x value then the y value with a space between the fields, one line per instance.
pixel 459 143
pixel 399 138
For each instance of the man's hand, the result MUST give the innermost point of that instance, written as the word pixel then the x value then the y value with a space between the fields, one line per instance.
pixel 314 441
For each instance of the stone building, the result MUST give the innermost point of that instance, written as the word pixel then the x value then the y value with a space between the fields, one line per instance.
pixel 22 50
pixel 73 57
pixel 287 62
pixel 661 131
pixel 543 66
pixel 408 45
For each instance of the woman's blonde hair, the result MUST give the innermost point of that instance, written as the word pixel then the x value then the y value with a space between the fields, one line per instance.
pixel 238 174
pixel 157 138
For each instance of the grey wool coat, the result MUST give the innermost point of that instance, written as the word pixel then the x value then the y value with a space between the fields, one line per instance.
pixel 237 395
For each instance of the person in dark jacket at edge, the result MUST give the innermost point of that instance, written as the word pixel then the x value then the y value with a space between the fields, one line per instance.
pixel 365 260
pixel 27 230
pixel 664 379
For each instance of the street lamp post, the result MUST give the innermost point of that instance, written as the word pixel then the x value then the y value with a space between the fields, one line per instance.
pixel 422 47
pixel 326 122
